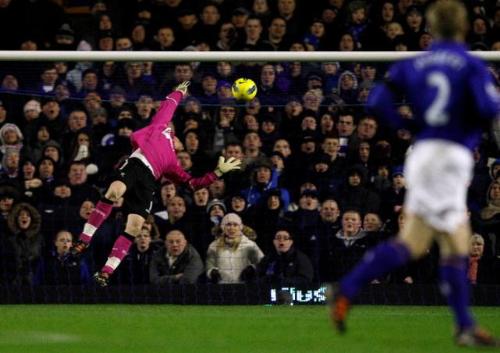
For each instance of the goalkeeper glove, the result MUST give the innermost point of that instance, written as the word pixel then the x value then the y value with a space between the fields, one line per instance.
pixel 224 166
pixel 183 87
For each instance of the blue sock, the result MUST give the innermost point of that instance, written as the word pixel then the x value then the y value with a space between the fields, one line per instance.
pixel 377 262
pixel 454 286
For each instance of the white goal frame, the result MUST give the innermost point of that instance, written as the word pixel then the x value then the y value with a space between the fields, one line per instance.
pixel 206 56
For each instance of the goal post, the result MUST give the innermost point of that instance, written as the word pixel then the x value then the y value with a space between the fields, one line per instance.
pixel 213 56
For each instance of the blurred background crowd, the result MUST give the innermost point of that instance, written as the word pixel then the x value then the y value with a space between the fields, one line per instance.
pixel 321 181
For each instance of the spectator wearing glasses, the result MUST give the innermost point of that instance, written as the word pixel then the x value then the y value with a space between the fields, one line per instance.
pixel 285 265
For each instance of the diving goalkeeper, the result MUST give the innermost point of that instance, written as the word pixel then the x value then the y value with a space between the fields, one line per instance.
pixel 153 157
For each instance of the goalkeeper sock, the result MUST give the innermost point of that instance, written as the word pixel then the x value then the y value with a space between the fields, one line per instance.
pixel 118 253
pixel 96 218
pixel 377 262
pixel 454 286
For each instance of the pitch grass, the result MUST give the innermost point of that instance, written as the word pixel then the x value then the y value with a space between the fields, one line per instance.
pixel 226 329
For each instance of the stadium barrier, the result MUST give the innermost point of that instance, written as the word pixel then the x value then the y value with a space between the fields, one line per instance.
pixel 235 294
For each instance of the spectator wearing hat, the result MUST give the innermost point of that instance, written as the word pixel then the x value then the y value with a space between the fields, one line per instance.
pixel 264 218
pixel 232 258
pixel 224 94
pixel 9 172
pixel 117 101
pixel 64 38
pixel 300 161
pixel 105 40
pixel 205 219
pixel 269 132
pixel 237 204
pixel 29 125
pixel 10 137
pixel 239 17
pixel 323 175
pixel 304 224
pixel 285 265
pixel 309 124
pixel 53 150
pixel 355 195
pixel 117 145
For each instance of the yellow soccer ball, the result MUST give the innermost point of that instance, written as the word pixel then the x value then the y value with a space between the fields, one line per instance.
pixel 244 89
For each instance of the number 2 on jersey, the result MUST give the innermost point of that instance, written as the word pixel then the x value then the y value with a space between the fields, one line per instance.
pixel 436 115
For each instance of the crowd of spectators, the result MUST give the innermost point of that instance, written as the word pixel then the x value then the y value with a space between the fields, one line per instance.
pixel 321 181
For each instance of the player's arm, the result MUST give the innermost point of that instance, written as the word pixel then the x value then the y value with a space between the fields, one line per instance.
pixel 168 106
pixel 382 99
pixel 224 166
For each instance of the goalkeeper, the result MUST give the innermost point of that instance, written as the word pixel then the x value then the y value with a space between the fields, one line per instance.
pixel 154 157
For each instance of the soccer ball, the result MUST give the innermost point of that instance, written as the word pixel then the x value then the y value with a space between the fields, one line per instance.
pixel 244 89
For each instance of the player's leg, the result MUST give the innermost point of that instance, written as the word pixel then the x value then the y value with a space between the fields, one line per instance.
pixel 412 243
pixel 101 212
pixel 454 250
pixel 138 204
pixel 120 248
pixel 124 180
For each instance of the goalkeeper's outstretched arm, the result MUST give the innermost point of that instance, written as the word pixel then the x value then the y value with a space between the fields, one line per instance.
pixel 169 104
pixel 180 176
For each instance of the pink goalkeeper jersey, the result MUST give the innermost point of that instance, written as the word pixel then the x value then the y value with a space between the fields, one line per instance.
pixel 156 142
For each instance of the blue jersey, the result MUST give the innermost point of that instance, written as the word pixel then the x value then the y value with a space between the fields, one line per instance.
pixel 452 95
